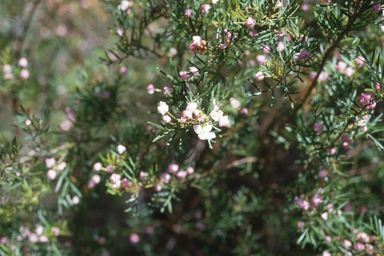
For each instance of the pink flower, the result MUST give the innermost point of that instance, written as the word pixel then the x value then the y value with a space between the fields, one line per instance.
pixel 123 70
pixel 181 174
pixel 192 106
pixel 253 33
pixel 151 89
pixel 359 247
pixel 166 90
pixel 61 166
pixel 193 69
pixel 332 151
pixel 341 66
pixel 23 62
pixel 259 76
pixel 317 127
pixel 165 178
pixel 4 240
pixel 43 239
pixel 183 75
pixel 261 59
pixel 223 46
pixel 347 243
pixel 215 1
pixel 50 162
pixel 223 121
pixel 8 76
pixel 121 149
pixel 101 240
pixel 205 8
pixel 115 180
pixel 143 175
pixel 366 99
pixel 188 12
pixel 330 207
pixel 265 48
pixel 305 54
pixel 200 225
pixel 91 184
pixel 277 4
pixel 250 23
pixel 300 225
pixel 125 183
pixel 39 230
pixel 302 203
pixel 96 178
pixel 326 254
pixel 134 238
pixel 56 231
pixel 339 213
pixel 158 187
pixel 362 209
pixel 359 60
pixel 377 86
pixel 324 216
pixel 376 7
pixel 119 31
pixel 316 201
pixel 51 174
pixel 97 166
pixel 173 168
pixel 190 170
pixel 163 108
pixel 280 46
pixel 109 168
pixel 198 45
pixel 75 200
pixel 7 68
pixel 244 111
pixel 167 118
pixel 349 72
pixel 323 76
pixel 328 239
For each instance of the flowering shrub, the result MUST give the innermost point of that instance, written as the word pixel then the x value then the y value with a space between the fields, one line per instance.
pixel 206 128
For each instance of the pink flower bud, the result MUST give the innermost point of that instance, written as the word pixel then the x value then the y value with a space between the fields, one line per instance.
pixel 324 216
pixel 347 243
pixel 23 62
pixel 205 8
pixel 359 247
pixel 349 72
pixel 250 23
pixel 105 95
pixel 261 59
pixel 167 90
pixel 158 187
pixel 302 203
pixel 151 89
pixel 119 31
pixel 50 162
pixel 339 213
pixel 91 184
pixel 163 108
pixel 330 207
pixel 377 86
pixel 259 76
pixel 43 239
pixel 8 76
pixel 39 230
pixel 265 48
pixel 7 68
pixel 96 178
pixel 121 149
pixel 109 168
pixel 125 183
pixel 97 167
pixel 173 168
pixel 316 201
pixel 123 70
pixel 51 174
pixel 223 121
pixel 341 66
pixel 134 238
pixel 167 119
pixel 280 46
pixel 190 170
pixel 328 239
pixel 188 12
pixel 326 254
pixel 376 7
pixel 143 175
pixel 192 106
pixel 181 174
pixel 165 178
pixel 332 151
pixel 359 60
pixel 183 75
pixel 223 46
pixel 75 200
pixel 300 225
pixel 317 127
pixel 244 111
pixel 215 1
pixel 253 33
pixel 61 166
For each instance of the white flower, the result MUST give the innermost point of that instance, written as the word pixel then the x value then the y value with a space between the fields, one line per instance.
pixel 235 103
pixel 123 6
pixel 216 114
pixel 204 133
pixel 163 108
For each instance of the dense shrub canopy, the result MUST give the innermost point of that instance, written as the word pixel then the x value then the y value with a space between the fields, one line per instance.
pixel 191 127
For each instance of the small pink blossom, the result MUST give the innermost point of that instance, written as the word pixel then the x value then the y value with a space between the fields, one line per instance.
pixel 347 243
pixel 280 46
pixel 43 239
pixel 173 168
pixel 158 187
pixel 326 254
pixel 91 184
pixel 192 106
pixel 75 200
pixel 143 175
pixel 190 170
pixel 109 168
pixel 330 207
pixel 181 174
pixel 253 33
pixel 316 201
pixel 265 48
pixel 119 31
pixel 250 23
pixel 341 66
pixel 300 225
pixel 7 68
pixel 101 240
pixel 183 75
pixel 125 183
pixel 349 72
pixel 317 127
pixel 97 166
pixel 376 7
pixel 188 12
pixel 56 231
pixel 61 166
pixel 377 86
pixel 165 178
pixel 193 69
pixel 163 108
pixel 167 118
pixel 339 212
pixel 302 203
pixel 324 216
pixel 167 90
pixel 359 247
pixel 261 59
pixel 151 89
pixel 359 60
pixel 223 121
pixel 259 76
pixel 39 230
pixel 8 76
pixel 223 46
pixel 323 76
pixel 96 178
pixel 115 180
pixel 123 70
pixel 332 151
pixel 200 225
pixel 205 8
pixel 134 238
pixel 51 174
pixel 328 239
pixel 50 162
pixel 23 62
pixel 366 100
pixel 244 111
